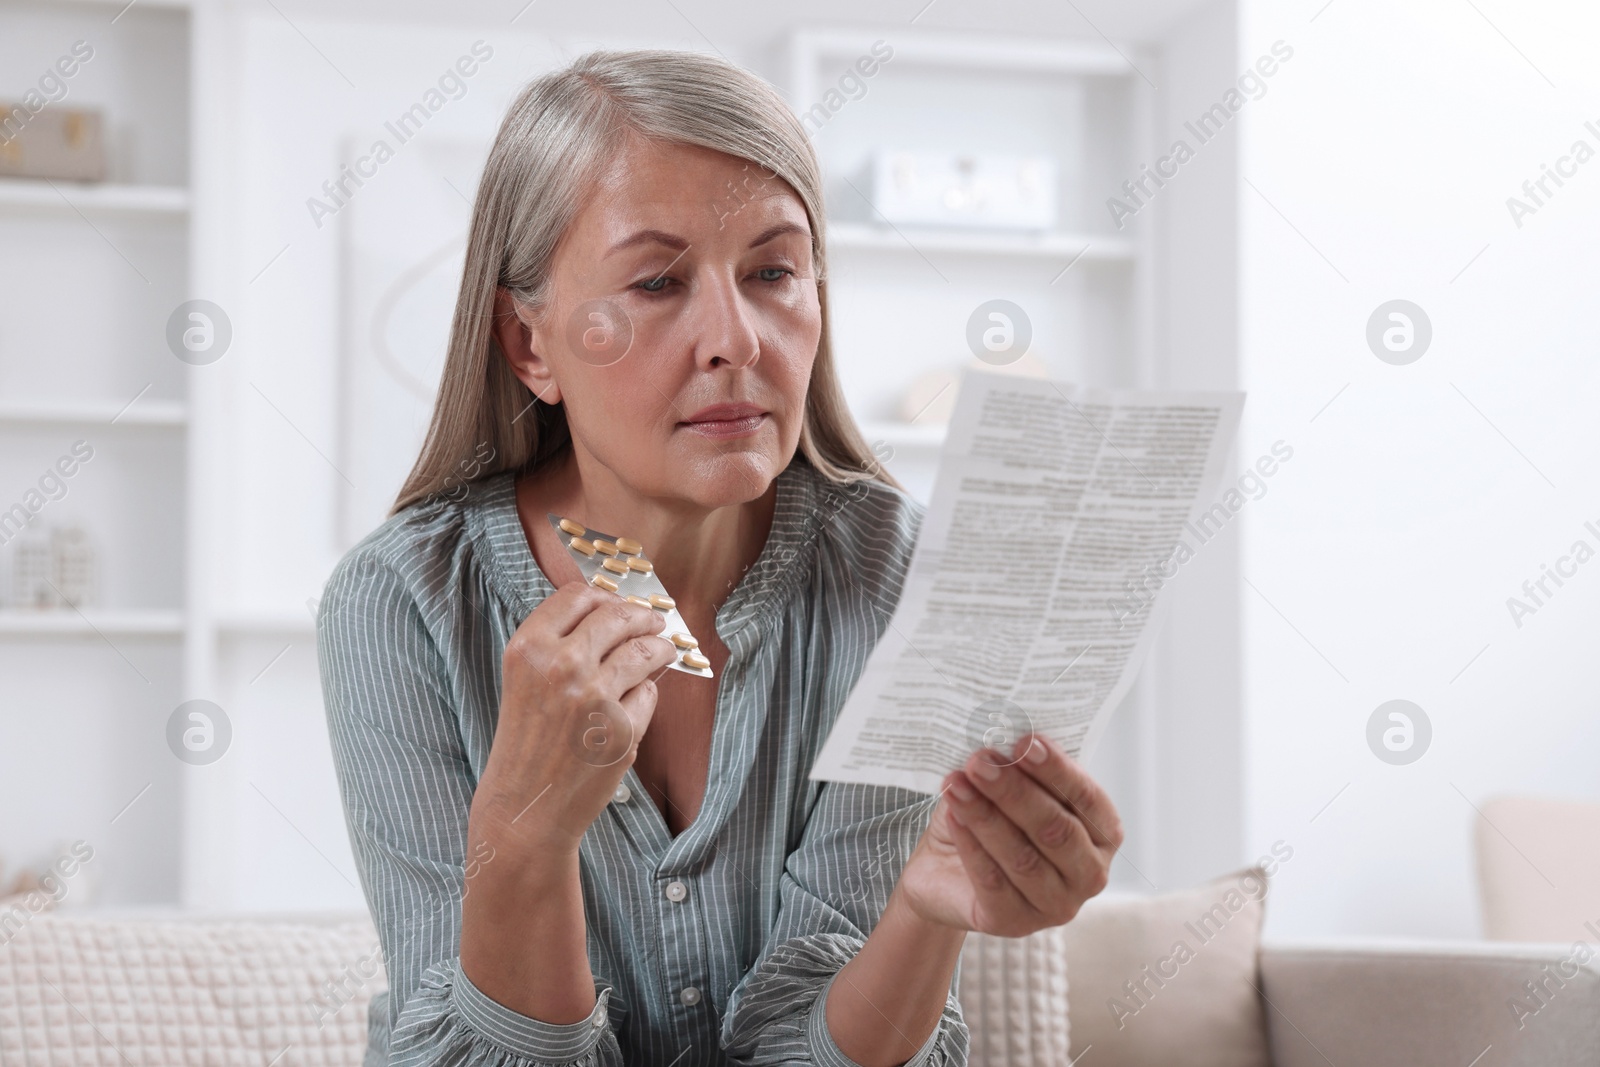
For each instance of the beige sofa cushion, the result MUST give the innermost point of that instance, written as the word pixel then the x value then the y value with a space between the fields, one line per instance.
pixel 99 991
pixel 1171 978
pixel 1013 996
pixel 1404 1003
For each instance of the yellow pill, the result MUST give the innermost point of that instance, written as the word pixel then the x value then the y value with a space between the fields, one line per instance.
pixel 665 603
pixel 643 566
pixel 685 641
pixel 576 529
pixel 608 547
pixel 639 600
pixel 608 584
pixel 628 546
pixel 615 566
pixel 696 660
pixel 582 545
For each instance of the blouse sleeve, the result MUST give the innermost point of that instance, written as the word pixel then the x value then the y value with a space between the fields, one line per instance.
pixel 834 887
pixel 404 778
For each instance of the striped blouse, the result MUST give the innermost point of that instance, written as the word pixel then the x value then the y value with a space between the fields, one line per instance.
pixel 715 946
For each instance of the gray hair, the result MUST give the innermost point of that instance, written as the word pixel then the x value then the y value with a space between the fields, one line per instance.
pixel 551 148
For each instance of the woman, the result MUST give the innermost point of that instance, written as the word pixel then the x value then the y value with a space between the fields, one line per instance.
pixel 573 854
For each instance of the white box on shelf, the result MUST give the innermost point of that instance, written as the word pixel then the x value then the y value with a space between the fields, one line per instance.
pixel 962 189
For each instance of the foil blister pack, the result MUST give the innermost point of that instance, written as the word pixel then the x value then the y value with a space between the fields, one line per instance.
pixel 618 565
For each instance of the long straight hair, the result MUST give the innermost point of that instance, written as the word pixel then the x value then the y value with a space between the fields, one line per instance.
pixel 557 136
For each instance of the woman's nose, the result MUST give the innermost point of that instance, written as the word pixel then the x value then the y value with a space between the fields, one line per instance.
pixel 725 332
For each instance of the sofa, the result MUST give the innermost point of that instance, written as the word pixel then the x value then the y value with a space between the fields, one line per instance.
pixel 149 989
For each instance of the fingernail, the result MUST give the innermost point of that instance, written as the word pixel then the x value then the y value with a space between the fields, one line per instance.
pixel 986 768
pixel 961 790
pixel 1036 753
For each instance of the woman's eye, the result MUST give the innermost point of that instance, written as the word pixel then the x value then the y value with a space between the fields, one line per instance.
pixel 767 274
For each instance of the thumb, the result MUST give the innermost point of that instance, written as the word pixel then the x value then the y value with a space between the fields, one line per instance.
pixel 639 705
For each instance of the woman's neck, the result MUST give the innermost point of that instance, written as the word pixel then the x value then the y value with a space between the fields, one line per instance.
pixel 699 553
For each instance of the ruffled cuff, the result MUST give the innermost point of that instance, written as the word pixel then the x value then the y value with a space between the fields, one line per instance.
pixel 782 1017
pixel 825 1051
pixel 450 1020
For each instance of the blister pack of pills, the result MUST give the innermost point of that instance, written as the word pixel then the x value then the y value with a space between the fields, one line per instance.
pixel 618 565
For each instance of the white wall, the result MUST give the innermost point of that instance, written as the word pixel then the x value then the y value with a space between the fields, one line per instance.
pixel 1424 495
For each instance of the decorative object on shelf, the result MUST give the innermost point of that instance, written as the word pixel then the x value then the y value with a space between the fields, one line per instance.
pixel 54 569
pixel 931 398
pixel 54 142
pixel 961 189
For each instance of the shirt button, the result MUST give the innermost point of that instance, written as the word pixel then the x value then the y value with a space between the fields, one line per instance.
pixel 599 1021
pixel 623 794
pixel 676 891
pixel 690 996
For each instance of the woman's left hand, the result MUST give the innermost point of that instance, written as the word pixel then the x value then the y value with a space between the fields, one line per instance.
pixel 1016 844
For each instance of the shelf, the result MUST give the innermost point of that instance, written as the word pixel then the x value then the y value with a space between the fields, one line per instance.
pixel 115 6
pixel 254 622
pixel 1063 246
pixel 154 201
pixel 95 413
pixel 1087 58
pixel 907 436
pixel 93 622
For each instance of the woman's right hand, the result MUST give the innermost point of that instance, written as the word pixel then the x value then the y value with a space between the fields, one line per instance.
pixel 575 698
pixel 577 694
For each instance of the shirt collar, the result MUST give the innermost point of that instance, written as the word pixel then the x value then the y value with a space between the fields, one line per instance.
pixel 759 597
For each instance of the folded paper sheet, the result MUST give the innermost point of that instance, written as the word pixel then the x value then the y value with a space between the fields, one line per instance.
pixel 1034 590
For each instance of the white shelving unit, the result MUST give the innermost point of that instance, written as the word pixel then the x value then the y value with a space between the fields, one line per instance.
pixel 91 272
pixel 19 194
pixel 1108 307
pixel 902 294
pixel 1096 249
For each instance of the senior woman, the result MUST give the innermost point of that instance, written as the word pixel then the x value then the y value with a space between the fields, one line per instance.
pixel 574 855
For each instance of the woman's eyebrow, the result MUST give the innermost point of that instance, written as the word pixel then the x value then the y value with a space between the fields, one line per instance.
pixel 674 241
pixel 779 230
pixel 648 236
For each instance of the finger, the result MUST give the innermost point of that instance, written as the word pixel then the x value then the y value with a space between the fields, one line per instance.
pixel 1025 866
pixel 611 621
pixel 1064 778
pixel 637 659
pixel 639 705
pixel 564 609
pixel 1058 835
pixel 997 897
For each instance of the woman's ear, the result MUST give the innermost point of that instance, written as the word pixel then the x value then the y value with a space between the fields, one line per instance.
pixel 521 344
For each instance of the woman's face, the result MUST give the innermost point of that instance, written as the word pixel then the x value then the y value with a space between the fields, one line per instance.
pixel 684 283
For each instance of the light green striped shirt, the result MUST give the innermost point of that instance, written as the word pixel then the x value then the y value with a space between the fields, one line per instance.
pixel 716 946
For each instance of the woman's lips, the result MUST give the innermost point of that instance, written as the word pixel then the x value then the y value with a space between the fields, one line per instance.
pixel 727 419
pixel 723 428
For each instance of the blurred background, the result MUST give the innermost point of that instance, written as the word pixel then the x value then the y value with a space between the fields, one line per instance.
pixel 225 308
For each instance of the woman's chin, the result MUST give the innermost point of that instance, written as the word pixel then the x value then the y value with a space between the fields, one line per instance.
pixel 729 476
